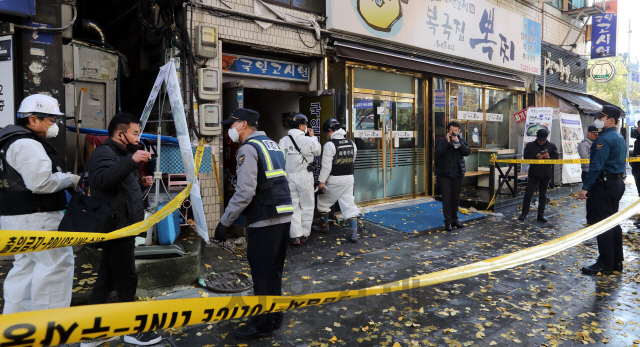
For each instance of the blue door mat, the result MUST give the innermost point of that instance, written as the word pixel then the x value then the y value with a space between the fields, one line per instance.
pixel 414 218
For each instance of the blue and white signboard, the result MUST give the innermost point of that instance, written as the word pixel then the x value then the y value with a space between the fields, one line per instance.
pixel 268 68
pixel 635 76
pixel 603 36
pixel 477 30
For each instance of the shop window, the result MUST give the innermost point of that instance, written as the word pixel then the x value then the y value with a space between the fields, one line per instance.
pixel 556 3
pixel 469 100
pixel 498 112
pixel 439 107
pixel 317 6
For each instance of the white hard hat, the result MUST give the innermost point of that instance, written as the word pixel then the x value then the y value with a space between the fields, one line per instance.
pixel 39 103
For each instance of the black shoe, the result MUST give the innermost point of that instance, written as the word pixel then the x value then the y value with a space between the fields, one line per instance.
pixel 447 227
pixel 523 217
pixel 251 332
pixel 457 225
pixel 597 268
pixel 618 267
pixel 541 219
pixel 143 339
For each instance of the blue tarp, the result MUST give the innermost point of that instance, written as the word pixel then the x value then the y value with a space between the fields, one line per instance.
pixel 166 140
pixel 414 218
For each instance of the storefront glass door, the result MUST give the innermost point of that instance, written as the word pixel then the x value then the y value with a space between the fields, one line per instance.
pixel 385 131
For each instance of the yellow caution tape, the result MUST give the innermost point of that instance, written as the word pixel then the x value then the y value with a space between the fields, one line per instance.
pixel 75 324
pixel 24 241
pixel 553 161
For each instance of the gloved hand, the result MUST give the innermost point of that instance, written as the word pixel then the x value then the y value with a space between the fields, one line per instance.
pixel 221 233
pixel 74 179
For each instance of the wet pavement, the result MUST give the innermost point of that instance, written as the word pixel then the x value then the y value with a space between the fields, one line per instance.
pixel 544 303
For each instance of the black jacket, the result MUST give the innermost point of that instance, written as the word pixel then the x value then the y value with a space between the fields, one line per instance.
pixel 635 166
pixel 450 161
pixel 113 177
pixel 540 170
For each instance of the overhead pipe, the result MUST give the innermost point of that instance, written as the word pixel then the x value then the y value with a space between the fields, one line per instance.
pixel 93 26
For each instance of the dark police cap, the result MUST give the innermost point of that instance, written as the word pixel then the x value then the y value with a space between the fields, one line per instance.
pixel 609 111
pixel 594 129
pixel 542 134
pixel 241 114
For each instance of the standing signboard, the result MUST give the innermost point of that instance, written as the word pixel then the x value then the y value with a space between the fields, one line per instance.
pixel 537 118
pixel 572 135
pixel 170 77
pixel 477 30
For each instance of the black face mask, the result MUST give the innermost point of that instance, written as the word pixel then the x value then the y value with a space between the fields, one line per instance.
pixel 131 148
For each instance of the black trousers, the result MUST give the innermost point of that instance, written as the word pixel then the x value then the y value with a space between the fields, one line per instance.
pixel 117 272
pixel 532 183
pixel 266 252
pixel 604 201
pixel 636 176
pixel 450 190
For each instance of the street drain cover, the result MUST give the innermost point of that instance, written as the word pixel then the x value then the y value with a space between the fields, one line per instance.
pixel 226 282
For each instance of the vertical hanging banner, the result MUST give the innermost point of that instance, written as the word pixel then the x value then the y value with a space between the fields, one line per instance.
pixel 162 75
pixel 182 132
pixel 604 35
pixel 571 127
pixel 6 81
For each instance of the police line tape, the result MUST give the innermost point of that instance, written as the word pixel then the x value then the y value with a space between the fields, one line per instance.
pixel 553 161
pixel 25 241
pixel 75 324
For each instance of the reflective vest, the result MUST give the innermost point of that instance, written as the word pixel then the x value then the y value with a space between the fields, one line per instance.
pixel 273 197
pixel 15 198
pixel 343 159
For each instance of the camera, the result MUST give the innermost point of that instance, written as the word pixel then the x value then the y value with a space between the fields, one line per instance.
pixel 313 166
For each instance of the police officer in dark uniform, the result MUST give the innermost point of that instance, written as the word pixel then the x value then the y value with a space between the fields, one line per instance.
pixel 604 185
pixel 263 197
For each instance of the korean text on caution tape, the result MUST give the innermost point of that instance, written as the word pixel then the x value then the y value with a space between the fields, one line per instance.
pixel 24 241
pixel 553 161
pixel 69 325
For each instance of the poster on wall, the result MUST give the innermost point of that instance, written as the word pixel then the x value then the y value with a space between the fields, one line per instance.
pixel 473 29
pixel 572 134
pixel 537 118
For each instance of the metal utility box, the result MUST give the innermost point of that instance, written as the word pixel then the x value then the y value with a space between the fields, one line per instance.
pixel 93 71
pixel 86 62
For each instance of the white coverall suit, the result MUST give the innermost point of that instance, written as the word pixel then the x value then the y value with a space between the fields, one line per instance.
pixel 300 180
pixel 38 280
pixel 340 188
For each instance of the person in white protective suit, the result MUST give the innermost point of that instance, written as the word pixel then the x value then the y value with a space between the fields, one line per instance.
pixel 32 197
pixel 336 178
pixel 300 151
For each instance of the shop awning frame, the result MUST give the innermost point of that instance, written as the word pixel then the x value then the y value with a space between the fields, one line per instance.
pixel 372 55
pixel 583 102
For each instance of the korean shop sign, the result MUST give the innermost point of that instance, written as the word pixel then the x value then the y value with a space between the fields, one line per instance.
pixel 471 29
pixel 602 71
pixel 603 35
pixel 267 68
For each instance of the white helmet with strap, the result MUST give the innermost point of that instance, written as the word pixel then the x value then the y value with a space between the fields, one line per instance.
pixel 39 104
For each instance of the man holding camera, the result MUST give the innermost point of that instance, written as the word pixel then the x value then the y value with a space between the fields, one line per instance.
pixel 450 169
pixel 300 150
pixel 539 174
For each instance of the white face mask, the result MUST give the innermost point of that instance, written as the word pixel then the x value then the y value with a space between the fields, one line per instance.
pixel 599 123
pixel 52 131
pixel 234 135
